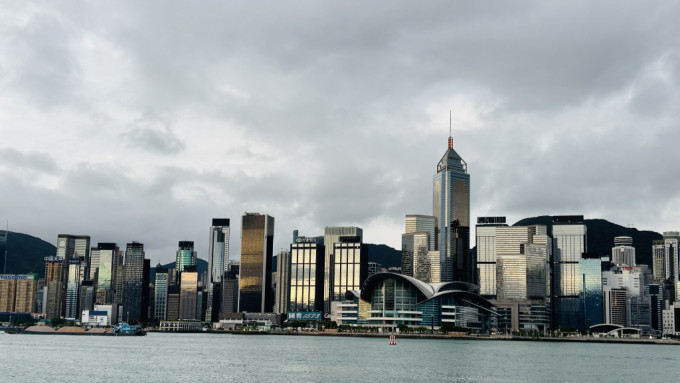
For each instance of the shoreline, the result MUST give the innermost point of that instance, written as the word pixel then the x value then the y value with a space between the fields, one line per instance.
pixel 514 338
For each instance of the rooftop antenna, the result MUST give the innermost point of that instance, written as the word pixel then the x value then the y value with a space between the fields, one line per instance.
pixel 450 136
pixel 4 265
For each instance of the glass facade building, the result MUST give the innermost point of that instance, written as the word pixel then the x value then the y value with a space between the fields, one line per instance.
pixel 133 282
pixel 590 269
pixel 161 285
pixel 185 256
pixel 350 266
pixel 106 272
pixel 569 243
pixel 395 299
pixel 188 299
pixel 76 273
pixel 451 209
pixel 218 260
pixel 307 258
pixel 332 235
pixel 257 242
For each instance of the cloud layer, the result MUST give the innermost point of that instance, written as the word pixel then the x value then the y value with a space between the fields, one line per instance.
pixel 130 121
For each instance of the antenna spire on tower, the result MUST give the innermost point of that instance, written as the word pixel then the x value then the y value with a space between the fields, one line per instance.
pixel 450 137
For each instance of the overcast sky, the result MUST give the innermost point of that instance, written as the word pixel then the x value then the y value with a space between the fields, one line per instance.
pixel 130 120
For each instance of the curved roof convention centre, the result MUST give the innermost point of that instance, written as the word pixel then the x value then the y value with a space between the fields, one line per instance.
pixel 426 291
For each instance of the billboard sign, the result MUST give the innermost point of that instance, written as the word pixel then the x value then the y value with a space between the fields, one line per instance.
pixel 305 315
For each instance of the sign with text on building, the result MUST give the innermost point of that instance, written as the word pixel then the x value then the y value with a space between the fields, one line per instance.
pixel 305 315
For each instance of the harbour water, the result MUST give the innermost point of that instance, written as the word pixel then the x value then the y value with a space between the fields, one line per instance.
pixel 263 358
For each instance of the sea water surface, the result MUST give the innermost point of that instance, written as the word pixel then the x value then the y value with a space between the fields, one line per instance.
pixel 161 357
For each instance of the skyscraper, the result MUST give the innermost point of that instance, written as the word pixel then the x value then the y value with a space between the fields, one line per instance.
pixel 189 294
pixel 283 281
pixel 414 223
pixel 306 275
pixel 107 272
pixel 569 244
pixel 161 285
pixel 623 252
pixel 672 260
pixel 185 256
pixel 332 235
pixel 218 259
pixel 590 270
pixel 76 273
pixel 257 242
pixel 133 282
pixel 451 209
pixel 350 266
pixel 486 254
pixel 54 286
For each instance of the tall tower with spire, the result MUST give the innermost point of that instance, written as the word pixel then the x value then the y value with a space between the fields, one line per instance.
pixel 451 208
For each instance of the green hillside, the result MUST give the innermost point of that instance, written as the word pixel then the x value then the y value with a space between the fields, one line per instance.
pixel 25 253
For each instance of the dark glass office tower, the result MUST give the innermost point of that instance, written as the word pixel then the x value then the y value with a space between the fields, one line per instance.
pixel 257 242
pixel 133 282
pixel 569 244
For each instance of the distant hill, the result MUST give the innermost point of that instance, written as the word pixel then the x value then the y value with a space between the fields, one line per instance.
pixel 201 267
pixel 25 253
pixel 601 233
pixel 383 254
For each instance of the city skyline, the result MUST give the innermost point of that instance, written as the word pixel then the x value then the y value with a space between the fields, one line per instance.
pixel 332 117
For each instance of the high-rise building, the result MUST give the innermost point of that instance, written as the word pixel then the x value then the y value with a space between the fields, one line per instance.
pixel 307 256
pixel 133 286
pixel 623 252
pixel 350 266
pixel 283 281
pixel 332 235
pixel 172 308
pixel 71 246
pixel 218 259
pixel 486 254
pixel 569 243
pixel 672 260
pixel 590 270
pixel 188 299
pixel 186 256
pixel 76 267
pixel 414 249
pixel 161 285
pixel 87 295
pixel 659 260
pixel 615 311
pixel 17 293
pixel 93 267
pixel 230 291
pixel 416 223
pixel 521 256
pixel 451 209
pixel 655 292
pixel 108 263
pixel 255 282
pixel 54 286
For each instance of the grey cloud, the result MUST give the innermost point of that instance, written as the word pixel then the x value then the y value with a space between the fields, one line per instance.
pixel 340 98
pixel 153 133
pixel 27 161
